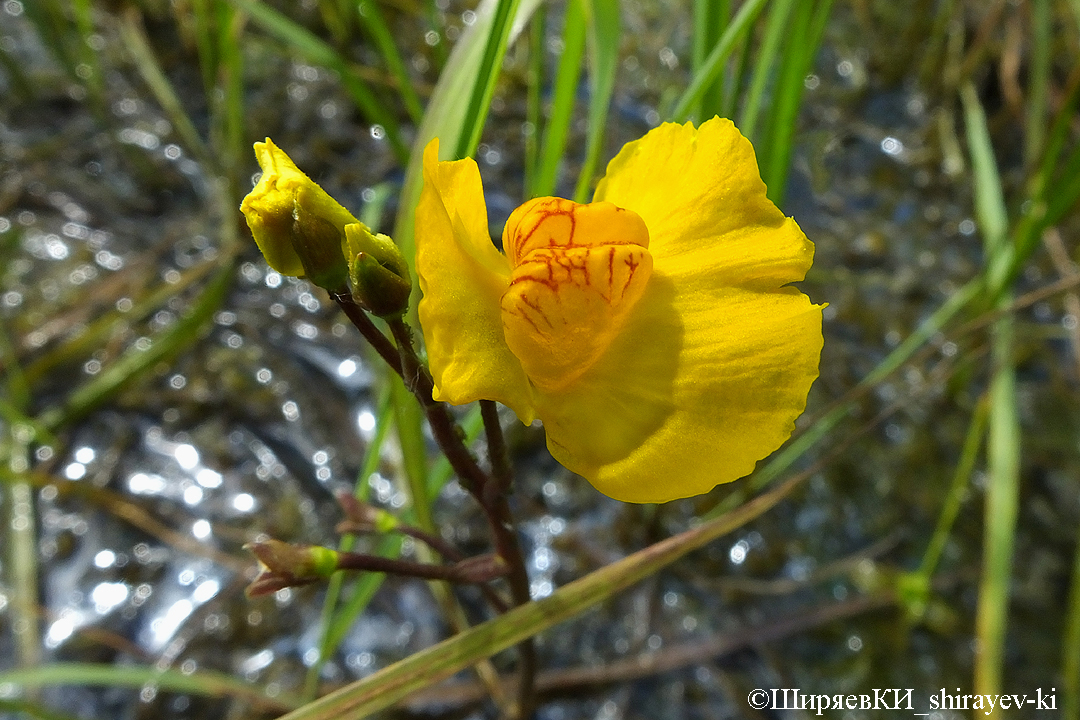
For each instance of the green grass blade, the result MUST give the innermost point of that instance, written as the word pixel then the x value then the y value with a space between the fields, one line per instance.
pixel 1040 48
pixel 537 44
pixel 604 35
pixel 319 52
pixel 445 114
pixel 1002 501
pixel 372 20
pixel 409 421
pixel 1003 441
pixel 206 683
pixel 767 57
pixel 146 62
pixel 950 509
pixel 804 37
pixel 490 63
pixel 710 21
pixel 563 101
pixel 440 661
pixel 990 212
pixel 714 63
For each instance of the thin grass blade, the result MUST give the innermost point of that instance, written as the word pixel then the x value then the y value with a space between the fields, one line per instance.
pixel 714 63
pixel 563 101
pixel 1003 441
pixel 604 35
pixel 319 52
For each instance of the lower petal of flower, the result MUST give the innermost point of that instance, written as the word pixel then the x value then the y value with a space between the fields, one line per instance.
pixel 697 389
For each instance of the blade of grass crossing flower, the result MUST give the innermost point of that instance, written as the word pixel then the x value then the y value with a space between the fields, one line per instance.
pixel 804 37
pixel 372 20
pixel 1070 644
pixel 710 20
pixel 767 57
pixel 206 683
pixel 1003 441
pixel 318 52
pixel 604 34
pixel 563 101
pixel 1035 104
pixel 422 669
pixel 713 66
pixel 490 63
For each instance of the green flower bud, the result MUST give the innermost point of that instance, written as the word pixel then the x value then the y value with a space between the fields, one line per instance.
pixel 380 282
pixel 282 565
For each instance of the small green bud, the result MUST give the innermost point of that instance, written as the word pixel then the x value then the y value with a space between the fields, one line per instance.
pixel 383 288
pixel 362 517
pixel 283 565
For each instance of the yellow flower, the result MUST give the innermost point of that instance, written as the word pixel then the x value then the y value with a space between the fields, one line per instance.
pixel 654 331
pixel 302 231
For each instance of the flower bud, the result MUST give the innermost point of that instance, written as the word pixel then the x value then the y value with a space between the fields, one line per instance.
pixel 377 271
pixel 282 565
pixel 299 228
pixel 362 517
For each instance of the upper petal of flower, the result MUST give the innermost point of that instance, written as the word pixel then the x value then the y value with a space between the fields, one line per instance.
pixel 463 277
pixel 700 194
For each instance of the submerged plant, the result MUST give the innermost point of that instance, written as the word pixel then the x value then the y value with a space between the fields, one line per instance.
pixel 654 332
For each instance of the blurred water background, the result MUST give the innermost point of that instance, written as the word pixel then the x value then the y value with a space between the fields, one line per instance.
pixel 169 397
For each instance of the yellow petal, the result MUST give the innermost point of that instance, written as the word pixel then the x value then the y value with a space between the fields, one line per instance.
pixel 715 361
pixel 696 390
pixel 700 194
pixel 463 277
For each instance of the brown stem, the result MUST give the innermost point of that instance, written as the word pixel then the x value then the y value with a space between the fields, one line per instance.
pixel 489 492
pixel 500 460
pixel 471 571
pixel 367 328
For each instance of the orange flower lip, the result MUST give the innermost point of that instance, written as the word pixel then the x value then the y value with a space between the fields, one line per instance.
pixel 551 222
